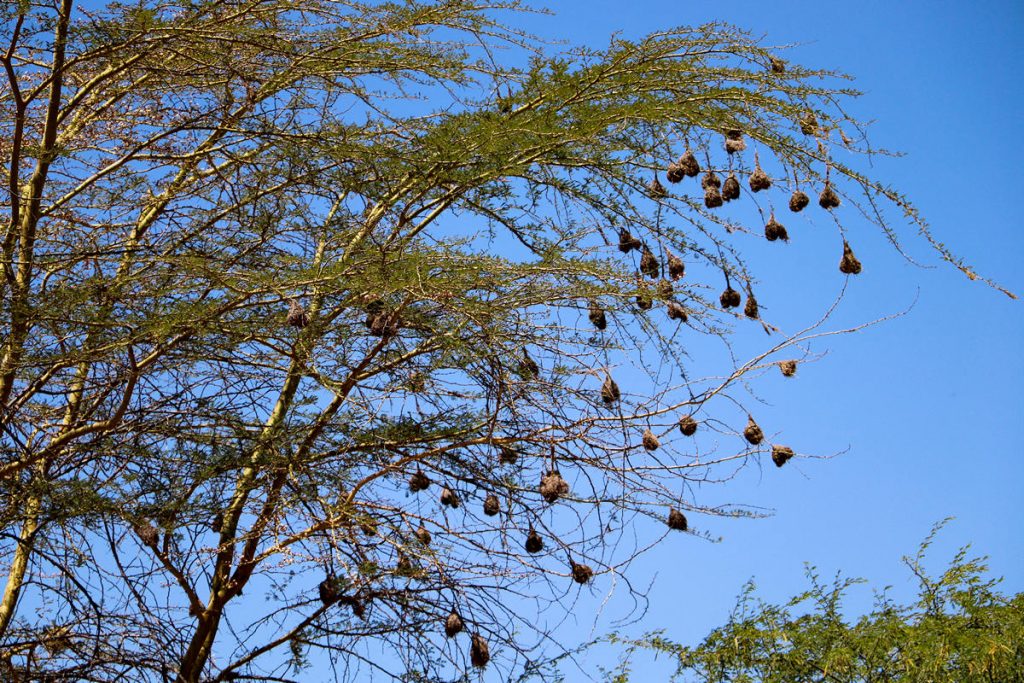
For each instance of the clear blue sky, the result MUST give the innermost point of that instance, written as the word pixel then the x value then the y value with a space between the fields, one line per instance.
pixel 929 405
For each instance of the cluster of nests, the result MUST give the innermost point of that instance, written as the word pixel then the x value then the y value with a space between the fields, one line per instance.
pixel 650 266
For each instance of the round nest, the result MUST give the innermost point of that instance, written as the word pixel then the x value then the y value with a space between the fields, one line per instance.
pixel 688 425
pixel 774 230
pixel 507 456
pixel 734 141
pixel 731 188
pixel 491 505
pixel 610 391
pixel 788 367
pixel 644 301
pixel 752 432
pixel 778 66
pixel 656 189
pixel 750 309
pixel 677 312
pixel 710 179
pixel 449 498
pixel 688 164
pixel 553 487
pixel 581 573
pixel 798 201
pixel 780 454
pixel 453 625
pixel 479 654
pixel 423 536
pixel 328 590
pixel 676 267
pixel 849 263
pixel 649 264
pixel 418 482
pixel 675 172
pixel 368 528
pixel 297 315
pixel 650 441
pixel 730 298
pixel 534 544
pixel 597 317
pixel 712 198
pixel 676 520
pixel 527 366
pixel 828 199
pixel 809 123
pixel 665 289
pixel 759 180
pixel 627 242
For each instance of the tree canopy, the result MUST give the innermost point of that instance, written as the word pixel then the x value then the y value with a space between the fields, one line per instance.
pixel 336 327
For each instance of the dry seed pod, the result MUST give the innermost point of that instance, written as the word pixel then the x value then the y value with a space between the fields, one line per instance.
pixel 774 230
pixel 828 199
pixel 297 315
pixel 688 164
pixel 712 198
pixel 649 264
pixel 656 189
pixel 676 520
pixel 730 298
pixel 650 441
pixel 778 66
pixel 676 267
pixel 581 573
pixel 752 432
pixel 449 498
pixel 553 487
pixel 798 201
pixel 597 317
pixel 479 654
pixel 609 391
pixel 491 505
pixel 849 263
pixel 676 312
pixel 734 141
pixel 780 454
pixel 627 242
pixel 534 544
pixel 750 309
pixel 759 180
pixel 731 188
pixel 418 482
pixel 687 425
pixel 809 123
pixel 528 366
pixel 423 535
pixel 328 590
pixel 788 367
pixel 710 180
pixel 453 625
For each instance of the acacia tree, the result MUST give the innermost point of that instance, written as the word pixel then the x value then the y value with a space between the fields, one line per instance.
pixel 314 310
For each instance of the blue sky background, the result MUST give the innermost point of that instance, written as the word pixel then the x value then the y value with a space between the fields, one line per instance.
pixel 928 405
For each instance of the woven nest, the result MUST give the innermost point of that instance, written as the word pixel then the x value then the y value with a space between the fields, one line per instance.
pixel 675 172
pixel 676 312
pixel 147 533
pixel 688 425
pixel 627 242
pixel 759 180
pixel 449 498
pixel 780 454
pixel 644 301
pixel 423 536
pixel 788 367
pixel 731 188
pixel 665 289
pixel 650 441
pixel 828 199
pixel 676 267
pixel 798 201
pixel 688 164
pixel 419 482
pixel 809 124
pixel 479 654
pixel 404 567
pixel 453 625
pixel 656 189
pixel 778 66
pixel 297 315
pixel 491 505
pixel 534 543
pixel 527 366
pixel 710 179
pixel 750 309
pixel 649 265
pixel 734 141
pixel 581 573
pixel 382 324
pixel 368 528
pixel 217 523
pixel 712 198
pixel 774 230
pixel 553 487
pixel 676 520
pixel 328 590
pixel 730 298
pixel 752 432
pixel 597 317
pixel 507 456
pixel 610 391
pixel 849 263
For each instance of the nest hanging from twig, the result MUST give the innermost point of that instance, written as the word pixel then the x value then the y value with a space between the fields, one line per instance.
pixel 419 481
pixel 656 189
pixel 597 317
pixel 712 198
pixel 650 441
pixel 777 65
pixel 534 543
pixel 676 520
pixel 781 454
pixel 649 264
pixel 449 498
pixel 828 199
pixel 491 505
pixel 750 309
pixel 774 230
pixel 849 264
pixel 453 625
pixel 730 298
pixel 734 141
pixel 369 528
pixel 788 367
pixel 809 123
pixel 731 188
pixel 527 366
pixel 759 180
pixel 581 573
pixel 297 315
pixel 627 242
pixel 610 391
pixel 687 165
pixel 553 487
pixel 507 456
pixel 752 432
pixel 328 590
pixel 688 425
pixel 423 535
pixel 798 201
pixel 710 179
pixel 665 288
pixel 479 654
pixel 677 312
pixel 644 301
pixel 676 267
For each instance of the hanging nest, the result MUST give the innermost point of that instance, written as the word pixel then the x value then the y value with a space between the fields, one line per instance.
pixel 507 456
pixel 752 432
pixel 328 589
pixel 649 264
pixel 146 532
pixel 774 230
pixel 759 180
pixel 597 317
pixel 491 505
pixel 798 201
pixel 828 199
pixel 368 528
pixel 674 173
pixel 780 454
pixel 656 189
pixel 750 309
pixel 688 164
pixel 778 66
pixel 709 180
pixel 382 325
pixel 297 315
pixel 449 498
pixel 849 263
pixel 534 543
pixel 676 312
pixel 734 141
pixel 609 391
pixel 423 536
pixel 677 520
pixel 453 625
pixel 479 654
pixel 788 367
pixel 644 301
pixel 527 366
pixel 581 573
pixel 712 198
pixel 730 298
pixel 217 523
pixel 650 441
pixel 405 567
pixel 676 267
pixel 809 124
pixel 731 188
pixel 665 289
pixel 358 608
pixel 419 482
pixel 688 425
pixel 627 242
pixel 553 487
